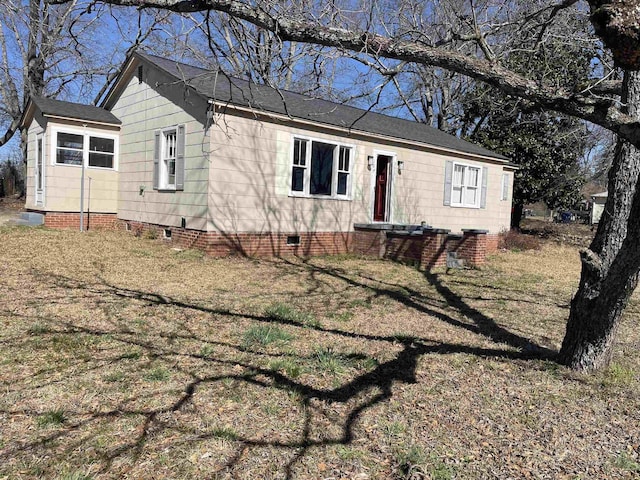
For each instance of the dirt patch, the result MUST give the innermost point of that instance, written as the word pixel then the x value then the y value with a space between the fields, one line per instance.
pixel 122 358
pixel 10 208
pixel 576 234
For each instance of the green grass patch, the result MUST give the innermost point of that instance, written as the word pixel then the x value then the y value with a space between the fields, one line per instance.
pixel 38 328
pixel 287 314
pixel 158 374
pixel 263 335
pixel 624 461
pixel 224 433
pixel 290 367
pixel 51 418
pixel 341 317
pixel 330 361
pixel 618 375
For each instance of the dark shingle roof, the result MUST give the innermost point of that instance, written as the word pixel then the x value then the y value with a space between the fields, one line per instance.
pixel 77 111
pixel 221 88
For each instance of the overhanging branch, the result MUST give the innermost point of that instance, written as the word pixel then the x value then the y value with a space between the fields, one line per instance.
pixel 601 111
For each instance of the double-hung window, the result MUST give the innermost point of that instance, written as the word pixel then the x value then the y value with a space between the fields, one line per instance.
pixel 101 152
pixel 168 159
pixel 465 185
pixel 73 148
pixel 504 193
pixel 69 148
pixel 321 168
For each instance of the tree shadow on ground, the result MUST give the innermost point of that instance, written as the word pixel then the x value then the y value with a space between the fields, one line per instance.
pixel 364 391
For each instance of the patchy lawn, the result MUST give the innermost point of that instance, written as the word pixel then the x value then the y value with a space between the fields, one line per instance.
pixel 122 358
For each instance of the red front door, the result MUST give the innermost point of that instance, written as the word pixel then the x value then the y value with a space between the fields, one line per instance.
pixel 381 188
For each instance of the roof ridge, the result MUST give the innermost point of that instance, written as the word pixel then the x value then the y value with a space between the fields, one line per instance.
pixel 261 85
pixel 323 112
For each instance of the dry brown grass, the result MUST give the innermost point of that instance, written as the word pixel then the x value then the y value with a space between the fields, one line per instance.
pixel 122 358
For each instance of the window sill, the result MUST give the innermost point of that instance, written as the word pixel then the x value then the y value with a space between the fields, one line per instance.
pixel 108 169
pixel 320 197
pixel 88 167
pixel 465 206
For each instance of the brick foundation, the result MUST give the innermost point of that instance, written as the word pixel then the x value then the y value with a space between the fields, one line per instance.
pixel 425 249
pixel 250 244
pixel 92 221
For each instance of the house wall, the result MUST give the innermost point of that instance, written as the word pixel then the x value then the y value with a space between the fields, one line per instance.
pixel 62 183
pixel 250 179
pixel 597 208
pixel 36 127
pixel 143 110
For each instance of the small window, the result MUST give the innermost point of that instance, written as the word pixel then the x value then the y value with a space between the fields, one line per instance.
pixel 69 149
pixel 299 165
pixel 465 186
pixel 140 70
pixel 166 234
pixel 101 152
pixel 504 195
pixel 343 170
pixel 169 158
pixel 39 164
pixel 293 240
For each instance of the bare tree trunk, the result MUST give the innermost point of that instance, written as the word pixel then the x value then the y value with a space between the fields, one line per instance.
pixel 516 215
pixel 610 266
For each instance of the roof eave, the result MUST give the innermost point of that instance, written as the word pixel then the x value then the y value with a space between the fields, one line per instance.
pixel 78 119
pixel 27 114
pixel 336 128
pixel 116 81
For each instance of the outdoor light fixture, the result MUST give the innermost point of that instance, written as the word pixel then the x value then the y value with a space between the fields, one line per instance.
pixel 370 162
pixel 400 166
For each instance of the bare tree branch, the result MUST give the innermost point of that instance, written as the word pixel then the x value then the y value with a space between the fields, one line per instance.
pixel 289 27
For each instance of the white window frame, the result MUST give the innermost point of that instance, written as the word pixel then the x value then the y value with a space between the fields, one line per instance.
pixel 463 186
pixel 163 173
pixel 39 170
pixel 334 170
pixel 86 138
pixel 504 191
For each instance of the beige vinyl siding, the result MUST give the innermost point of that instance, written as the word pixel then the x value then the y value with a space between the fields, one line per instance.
pixel 143 110
pixel 250 183
pixel 37 127
pixel 62 183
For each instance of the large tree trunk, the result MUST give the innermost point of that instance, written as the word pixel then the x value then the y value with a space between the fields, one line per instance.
pixel 516 215
pixel 610 266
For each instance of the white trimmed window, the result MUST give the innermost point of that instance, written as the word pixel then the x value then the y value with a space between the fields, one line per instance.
pixel 465 185
pixel 321 168
pixel 504 193
pixel 101 152
pixel 72 148
pixel 69 148
pixel 168 158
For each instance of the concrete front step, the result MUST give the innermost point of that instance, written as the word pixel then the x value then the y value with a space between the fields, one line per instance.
pixel 30 218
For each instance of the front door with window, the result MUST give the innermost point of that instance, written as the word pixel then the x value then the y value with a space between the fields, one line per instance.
pixel 39 171
pixel 382 187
